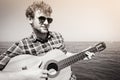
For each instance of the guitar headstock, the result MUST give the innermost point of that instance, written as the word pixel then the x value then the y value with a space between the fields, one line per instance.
pixel 97 48
pixel 100 46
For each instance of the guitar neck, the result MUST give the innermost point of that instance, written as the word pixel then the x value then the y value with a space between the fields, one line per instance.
pixel 80 56
pixel 72 59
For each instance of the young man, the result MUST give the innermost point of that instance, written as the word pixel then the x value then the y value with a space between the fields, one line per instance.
pixel 39 43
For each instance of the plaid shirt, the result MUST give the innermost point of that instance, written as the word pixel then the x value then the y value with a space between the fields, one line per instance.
pixel 33 46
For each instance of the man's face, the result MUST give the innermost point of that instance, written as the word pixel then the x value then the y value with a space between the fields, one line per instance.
pixel 41 21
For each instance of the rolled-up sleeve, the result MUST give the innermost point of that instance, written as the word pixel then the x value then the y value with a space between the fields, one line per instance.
pixel 13 51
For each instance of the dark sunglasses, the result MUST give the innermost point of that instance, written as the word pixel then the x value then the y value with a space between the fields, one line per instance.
pixel 42 19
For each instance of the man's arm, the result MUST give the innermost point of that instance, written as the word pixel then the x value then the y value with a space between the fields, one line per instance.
pixel 13 51
pixel 34 73
pixel 31 74
pixel 10 76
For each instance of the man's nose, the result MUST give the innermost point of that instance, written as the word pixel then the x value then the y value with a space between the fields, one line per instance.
pixel 46 22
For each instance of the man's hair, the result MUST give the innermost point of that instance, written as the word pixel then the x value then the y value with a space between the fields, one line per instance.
pixel 38 5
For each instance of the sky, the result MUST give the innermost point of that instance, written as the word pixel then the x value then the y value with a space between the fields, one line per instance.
pixel 76 20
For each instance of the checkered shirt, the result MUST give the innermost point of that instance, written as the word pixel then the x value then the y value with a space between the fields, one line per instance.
pixel 31 45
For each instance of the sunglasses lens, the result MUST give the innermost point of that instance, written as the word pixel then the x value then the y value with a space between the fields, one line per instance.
pixel 42 19
pixel 49 20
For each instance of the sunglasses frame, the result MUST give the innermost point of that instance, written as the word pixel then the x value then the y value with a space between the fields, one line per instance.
pixel 42 19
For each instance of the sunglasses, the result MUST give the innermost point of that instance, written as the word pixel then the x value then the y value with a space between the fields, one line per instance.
pixel 42 19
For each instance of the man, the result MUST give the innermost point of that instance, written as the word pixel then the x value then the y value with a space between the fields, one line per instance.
pixel 39 43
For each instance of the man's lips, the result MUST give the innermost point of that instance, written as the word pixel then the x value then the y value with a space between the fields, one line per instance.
pixel 44 28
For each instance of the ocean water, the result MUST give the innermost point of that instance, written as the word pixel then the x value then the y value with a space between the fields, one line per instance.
pixel 103 66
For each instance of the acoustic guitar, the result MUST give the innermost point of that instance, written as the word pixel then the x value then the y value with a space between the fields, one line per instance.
pixel 54 61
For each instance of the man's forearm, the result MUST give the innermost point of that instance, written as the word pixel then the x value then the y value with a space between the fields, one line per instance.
pixel 11 75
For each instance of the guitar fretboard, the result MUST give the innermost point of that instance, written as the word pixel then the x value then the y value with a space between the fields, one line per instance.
pixel 72 59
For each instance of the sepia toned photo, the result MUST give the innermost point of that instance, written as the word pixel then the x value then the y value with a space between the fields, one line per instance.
pixel 59 40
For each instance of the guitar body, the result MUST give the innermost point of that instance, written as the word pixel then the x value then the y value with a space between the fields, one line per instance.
pixel 49 61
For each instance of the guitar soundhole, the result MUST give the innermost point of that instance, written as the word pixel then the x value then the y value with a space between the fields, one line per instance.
pixel 52 68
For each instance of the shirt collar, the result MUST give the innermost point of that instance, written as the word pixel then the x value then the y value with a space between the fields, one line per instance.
pixel 34 37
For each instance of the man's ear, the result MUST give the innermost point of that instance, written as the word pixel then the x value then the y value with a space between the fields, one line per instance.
pixel 30 20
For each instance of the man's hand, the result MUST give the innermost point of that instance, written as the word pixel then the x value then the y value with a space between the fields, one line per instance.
pixel 34 74
pixel 90 55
